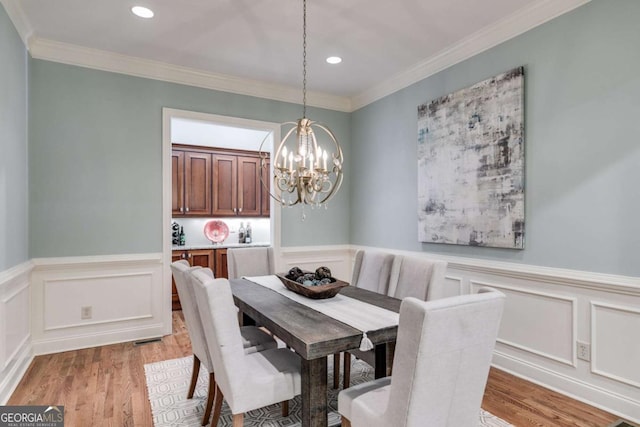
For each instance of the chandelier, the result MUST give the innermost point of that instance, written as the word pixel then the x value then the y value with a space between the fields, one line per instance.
pixel 305 171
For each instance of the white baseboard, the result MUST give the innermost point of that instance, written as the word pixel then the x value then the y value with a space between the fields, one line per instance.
pixel 13 374
pixel 87 340
pixel 602 398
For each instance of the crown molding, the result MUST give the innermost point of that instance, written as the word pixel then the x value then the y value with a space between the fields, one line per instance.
pixel 508 28
pixel 512 26
pixel 65 53
pixel 19 19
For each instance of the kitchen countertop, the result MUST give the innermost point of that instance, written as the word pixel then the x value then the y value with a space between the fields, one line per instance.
pixel 223 245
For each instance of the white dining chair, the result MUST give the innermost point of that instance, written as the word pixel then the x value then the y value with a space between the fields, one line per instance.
pixel 253 261
pixel 253 339
pixel 418 277
pixel 245 381
pixel 371 271
pixel 441 365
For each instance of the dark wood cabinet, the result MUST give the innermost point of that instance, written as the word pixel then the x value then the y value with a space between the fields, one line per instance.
pixel 200 257
pixel 219 183
pixel 191 182
pixel 265 199
pixel 221 264
pixel 237 188
pixel 225 185
pixel 249 186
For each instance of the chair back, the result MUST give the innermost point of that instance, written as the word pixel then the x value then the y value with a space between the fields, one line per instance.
pixel 442 359
pixel 258 261
pixel 220 323
pixel 417 277
pixel 372 270
pixel 181 271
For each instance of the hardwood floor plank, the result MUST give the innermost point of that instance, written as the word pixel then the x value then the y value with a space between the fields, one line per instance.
pixel 105 386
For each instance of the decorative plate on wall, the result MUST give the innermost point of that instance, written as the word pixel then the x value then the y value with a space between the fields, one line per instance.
pixel 216 231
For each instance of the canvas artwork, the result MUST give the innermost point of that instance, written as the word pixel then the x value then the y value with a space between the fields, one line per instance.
pixel 471 165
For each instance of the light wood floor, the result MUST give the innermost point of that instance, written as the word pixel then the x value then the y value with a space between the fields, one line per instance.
pixel 105 386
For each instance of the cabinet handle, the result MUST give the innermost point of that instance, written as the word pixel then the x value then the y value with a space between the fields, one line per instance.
pixel 186 209
pixel 235 211
pixel 189 256
pixel 240 210
pixel 183 256
pixel 181 209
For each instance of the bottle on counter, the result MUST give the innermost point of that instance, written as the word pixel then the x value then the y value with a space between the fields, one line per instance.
pixel 241 233
pixel 247 234
pixel 182 236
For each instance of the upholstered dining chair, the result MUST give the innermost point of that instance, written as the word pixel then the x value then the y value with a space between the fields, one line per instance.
pixel 441 365
pixel 371 271
pixel 245 381
pixel 253 261
pixel 253 339
pixel 418 277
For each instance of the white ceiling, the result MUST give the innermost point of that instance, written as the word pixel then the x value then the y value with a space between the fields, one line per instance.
pixel 385 45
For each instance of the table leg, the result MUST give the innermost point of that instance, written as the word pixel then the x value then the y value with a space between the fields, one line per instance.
pixel 381 361
pixel 314 392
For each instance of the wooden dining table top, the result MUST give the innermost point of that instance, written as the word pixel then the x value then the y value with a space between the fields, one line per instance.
pixel 313 336
pixel 310 333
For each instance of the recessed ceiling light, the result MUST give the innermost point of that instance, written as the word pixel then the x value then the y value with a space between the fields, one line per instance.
pixel 142 12
pixel 334 60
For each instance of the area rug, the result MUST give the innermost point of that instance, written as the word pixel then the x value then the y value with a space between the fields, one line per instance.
pixel 168 382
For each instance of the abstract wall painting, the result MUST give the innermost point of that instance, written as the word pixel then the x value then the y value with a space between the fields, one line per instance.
pixel 471 165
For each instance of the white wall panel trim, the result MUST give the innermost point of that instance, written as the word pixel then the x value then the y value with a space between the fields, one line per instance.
pixel 11 377
pixel 15 272
pixel 596 348
pixel 624 285
pixel 475 285
pixel 63 263
pixel 460 281
pixel 95 339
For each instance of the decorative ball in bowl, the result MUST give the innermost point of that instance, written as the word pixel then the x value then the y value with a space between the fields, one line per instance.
pixel 318 285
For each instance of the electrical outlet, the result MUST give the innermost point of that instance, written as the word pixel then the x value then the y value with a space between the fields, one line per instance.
pixel 86 312
pixel 584 351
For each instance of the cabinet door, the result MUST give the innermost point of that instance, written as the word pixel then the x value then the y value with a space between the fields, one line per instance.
pixel 175 300
pixel 177 183
pixel 221 264
pixel 249 186
pixel 202 257
pixel 197 183
pixel 265 199
pixel 225 185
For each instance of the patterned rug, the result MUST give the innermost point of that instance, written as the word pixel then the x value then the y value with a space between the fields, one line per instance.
pixel 168 382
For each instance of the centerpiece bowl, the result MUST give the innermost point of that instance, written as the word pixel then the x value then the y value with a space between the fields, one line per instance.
pixel 328 290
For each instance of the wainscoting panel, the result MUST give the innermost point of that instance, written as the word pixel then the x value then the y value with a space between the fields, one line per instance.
pixel 15 333
pixel 615 340
pixel 548 311
pixel 95 293
pixel 89 301
pixel 550 322
pixel 453 286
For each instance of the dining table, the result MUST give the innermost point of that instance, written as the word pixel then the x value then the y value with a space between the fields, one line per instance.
pixel 314 336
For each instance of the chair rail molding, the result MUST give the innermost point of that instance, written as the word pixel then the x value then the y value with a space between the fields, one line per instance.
pixel 15 333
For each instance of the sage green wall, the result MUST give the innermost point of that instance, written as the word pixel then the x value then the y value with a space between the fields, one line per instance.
pixel 13 146
pixel 582 108
pixel 95 172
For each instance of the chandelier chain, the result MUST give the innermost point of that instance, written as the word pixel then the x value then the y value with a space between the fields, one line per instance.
pixel 304 58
